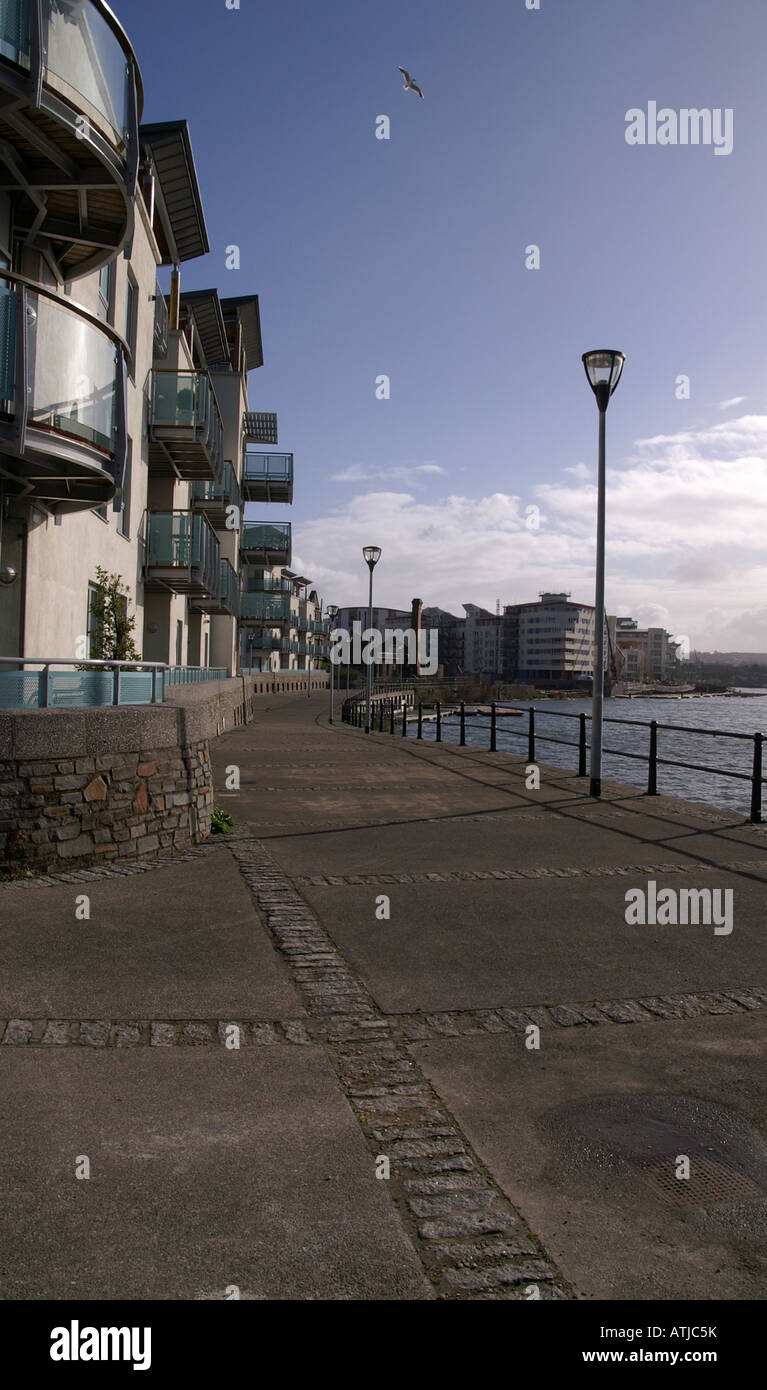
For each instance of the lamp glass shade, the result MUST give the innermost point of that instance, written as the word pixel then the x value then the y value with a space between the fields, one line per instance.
pixel 332 611
pixel 603 368
pixel 372 554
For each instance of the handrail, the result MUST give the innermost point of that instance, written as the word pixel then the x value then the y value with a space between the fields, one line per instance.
pixel 352 708
pixel 64 302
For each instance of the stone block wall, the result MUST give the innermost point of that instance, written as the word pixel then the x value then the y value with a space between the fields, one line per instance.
pixel 90 786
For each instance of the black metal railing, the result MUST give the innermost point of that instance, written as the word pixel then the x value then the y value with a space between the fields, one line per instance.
pixel 353 712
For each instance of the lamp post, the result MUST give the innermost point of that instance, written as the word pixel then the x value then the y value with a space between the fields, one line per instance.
pixel 332 612
pixel 603 370
pixel 372 555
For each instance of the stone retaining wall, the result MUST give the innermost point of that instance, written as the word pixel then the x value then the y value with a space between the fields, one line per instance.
pixel 88 786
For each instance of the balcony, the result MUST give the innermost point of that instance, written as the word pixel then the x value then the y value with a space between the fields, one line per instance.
pixel 70 102
pixel 267 477
pixel 264 642
pixel 182 555
pixel 62 399
pixel 186 436
pixel 266 544
pixel 260 427
pixel 214 499
pixel 265 608
pixel 226 597
pixel 268 584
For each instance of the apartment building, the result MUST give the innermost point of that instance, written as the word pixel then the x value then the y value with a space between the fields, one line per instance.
pixel 127 441
pixel 551 641
pixel 483 641
pixel 646 654
pixel 282 627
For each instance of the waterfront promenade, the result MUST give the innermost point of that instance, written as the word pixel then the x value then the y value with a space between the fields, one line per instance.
pixel 460 1072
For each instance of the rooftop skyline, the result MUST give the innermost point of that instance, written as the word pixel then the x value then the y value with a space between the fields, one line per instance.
pixel 407 258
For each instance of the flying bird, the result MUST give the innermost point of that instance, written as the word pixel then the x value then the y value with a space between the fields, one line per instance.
pixel 410 84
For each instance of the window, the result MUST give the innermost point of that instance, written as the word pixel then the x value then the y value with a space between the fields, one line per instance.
pixel 89 620
pixel 179 640
pixel 121 504
pixel 131 316
pixel 107 292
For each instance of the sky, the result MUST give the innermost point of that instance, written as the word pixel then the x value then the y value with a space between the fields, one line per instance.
pixel 408 258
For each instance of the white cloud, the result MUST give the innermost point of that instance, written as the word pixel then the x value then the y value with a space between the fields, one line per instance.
pixel 686 527
pixel 404 472
pixel 734 400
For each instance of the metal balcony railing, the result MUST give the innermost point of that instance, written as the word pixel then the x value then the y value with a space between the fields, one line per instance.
pixel 71 104
pixel 269 544
pixel 215 498
pixel 62 397
pixel 186 434
pixel 264 608
pixel 264 641
pixel 267 477
pixel 182 554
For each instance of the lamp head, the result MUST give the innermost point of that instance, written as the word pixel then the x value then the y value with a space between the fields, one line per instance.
pixel 7 574
pixel 372 555
pixel 603 368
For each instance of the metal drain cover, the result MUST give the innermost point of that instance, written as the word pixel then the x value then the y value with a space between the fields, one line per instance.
pixel 711 1181
pixel 619 1137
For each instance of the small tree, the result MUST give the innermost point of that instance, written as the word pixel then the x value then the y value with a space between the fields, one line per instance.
pixel 111 624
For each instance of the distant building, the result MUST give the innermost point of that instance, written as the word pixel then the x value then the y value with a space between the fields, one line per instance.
pixel 648 654
pixel 483 641
pixel 550 642
pixel 451 633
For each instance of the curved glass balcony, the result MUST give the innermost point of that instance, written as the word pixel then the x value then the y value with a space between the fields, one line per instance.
pixel 186 436
pixel 69 119
pixel 62 398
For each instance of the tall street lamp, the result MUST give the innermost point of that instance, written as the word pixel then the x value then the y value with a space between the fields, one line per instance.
pixel 372 555
pixel 332 612
pixel 603 369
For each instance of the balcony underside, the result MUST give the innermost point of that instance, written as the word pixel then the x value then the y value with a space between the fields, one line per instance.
pixel 72 193
pixel 177 579
pixel 214 508
pixel 57 471
pixel 177 452
pixel 215 606
pixel 267 489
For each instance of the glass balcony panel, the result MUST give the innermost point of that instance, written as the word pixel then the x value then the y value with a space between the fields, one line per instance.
pixel 83 51
pixel 72 374
pixel 269 466
pixel 174 399
pixel 14 31
pixel 264 608
pixel 261 536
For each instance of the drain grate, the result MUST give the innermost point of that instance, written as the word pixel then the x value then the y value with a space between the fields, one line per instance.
pixel 710 1182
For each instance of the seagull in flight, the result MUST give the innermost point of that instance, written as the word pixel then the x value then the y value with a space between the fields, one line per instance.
pixel 410 84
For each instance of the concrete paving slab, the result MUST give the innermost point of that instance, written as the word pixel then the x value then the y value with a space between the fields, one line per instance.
pixel 535 941
pixel 182 941
pixel 207 1170
pixel 533 1118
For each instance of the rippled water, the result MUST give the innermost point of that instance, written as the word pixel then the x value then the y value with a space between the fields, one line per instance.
pixel 738 714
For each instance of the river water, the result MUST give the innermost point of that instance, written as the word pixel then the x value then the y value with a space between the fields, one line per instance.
pixel 738 714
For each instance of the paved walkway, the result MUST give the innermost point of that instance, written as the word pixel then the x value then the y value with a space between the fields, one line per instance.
pixel 392 1038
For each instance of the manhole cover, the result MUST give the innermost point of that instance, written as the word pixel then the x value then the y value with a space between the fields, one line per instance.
pixel 710 1181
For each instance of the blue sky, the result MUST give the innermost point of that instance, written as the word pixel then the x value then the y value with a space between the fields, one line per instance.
pixel 406 257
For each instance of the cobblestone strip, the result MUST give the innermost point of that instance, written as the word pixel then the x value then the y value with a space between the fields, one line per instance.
pixel 121 1032
pixel 471 1241
pixel 407 1028
pixel 477 875
pixel 647 1009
